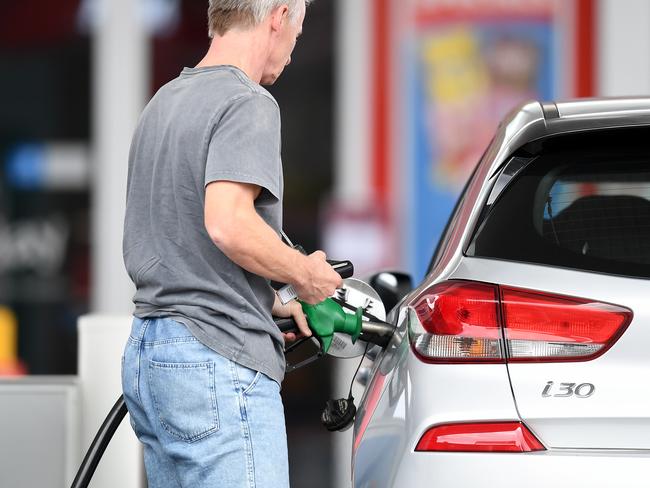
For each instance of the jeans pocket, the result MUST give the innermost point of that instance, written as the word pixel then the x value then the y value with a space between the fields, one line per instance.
pixel 184 398
pixel 247 378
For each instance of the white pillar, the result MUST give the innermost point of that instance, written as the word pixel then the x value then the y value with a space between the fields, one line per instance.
pixel 121 87
pixel 354 92
pixel 353 166
pixel 101 343
pixel 624 47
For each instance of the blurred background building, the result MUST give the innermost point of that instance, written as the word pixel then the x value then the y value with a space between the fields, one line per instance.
pixel 387 107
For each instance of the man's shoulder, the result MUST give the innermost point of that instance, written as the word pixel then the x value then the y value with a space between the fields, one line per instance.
pixel 260 90
pixel 247 90
pixel 212 92
pixel 225 86
pixel 225 82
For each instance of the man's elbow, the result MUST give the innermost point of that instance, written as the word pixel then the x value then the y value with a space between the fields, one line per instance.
pixel 222 233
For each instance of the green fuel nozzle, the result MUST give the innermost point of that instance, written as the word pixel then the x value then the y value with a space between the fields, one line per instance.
pixel 328 317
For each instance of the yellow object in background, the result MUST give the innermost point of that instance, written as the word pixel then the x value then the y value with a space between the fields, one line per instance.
pixel 10 365
pixel 8 336
pixel 456 69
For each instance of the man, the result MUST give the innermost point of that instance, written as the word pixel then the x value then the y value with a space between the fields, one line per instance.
pixel 203 366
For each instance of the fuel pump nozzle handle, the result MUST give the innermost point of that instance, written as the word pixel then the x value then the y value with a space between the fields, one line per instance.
pixel 344 268
pixel 328 317
pixel 324 319
pixel 286 325
pixel 287 293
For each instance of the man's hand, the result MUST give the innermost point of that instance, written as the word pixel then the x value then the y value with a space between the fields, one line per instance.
pixel 319 281
pixel 291 309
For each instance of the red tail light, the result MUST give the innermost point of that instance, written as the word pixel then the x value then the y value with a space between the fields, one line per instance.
pixel 458 321
pixel 543 327
pixel 480 437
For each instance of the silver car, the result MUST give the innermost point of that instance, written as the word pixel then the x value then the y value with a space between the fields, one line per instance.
pixel 523 359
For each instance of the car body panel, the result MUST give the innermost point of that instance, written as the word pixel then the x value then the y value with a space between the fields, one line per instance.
pixel 416 396
pixel 617 415
pixel 570 468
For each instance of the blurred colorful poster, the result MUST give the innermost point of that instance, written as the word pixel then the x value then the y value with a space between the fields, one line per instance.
pixel 470 64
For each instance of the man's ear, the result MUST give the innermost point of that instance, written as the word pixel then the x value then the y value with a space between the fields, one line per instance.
pixel 279 16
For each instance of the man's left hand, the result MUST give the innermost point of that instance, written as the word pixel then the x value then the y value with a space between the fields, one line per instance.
pixel 292 309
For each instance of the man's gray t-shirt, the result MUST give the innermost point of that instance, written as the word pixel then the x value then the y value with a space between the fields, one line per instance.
pixel 208 124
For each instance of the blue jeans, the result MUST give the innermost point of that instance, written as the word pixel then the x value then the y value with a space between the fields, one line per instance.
pixel 204 420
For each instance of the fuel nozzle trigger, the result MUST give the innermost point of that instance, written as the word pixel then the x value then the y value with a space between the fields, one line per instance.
pixel 328 317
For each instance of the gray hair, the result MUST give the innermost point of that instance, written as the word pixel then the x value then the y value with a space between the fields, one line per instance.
pixel 224 14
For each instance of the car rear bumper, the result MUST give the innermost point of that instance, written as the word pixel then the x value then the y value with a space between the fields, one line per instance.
pixel 557 468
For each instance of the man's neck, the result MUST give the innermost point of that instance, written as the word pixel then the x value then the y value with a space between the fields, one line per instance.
pixel 246 50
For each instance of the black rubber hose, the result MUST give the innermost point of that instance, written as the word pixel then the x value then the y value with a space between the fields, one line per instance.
pixel 99 444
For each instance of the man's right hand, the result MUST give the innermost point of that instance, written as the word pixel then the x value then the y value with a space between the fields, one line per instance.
pixel 319 280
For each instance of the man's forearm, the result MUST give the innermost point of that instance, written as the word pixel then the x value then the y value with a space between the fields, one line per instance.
pixel 238 230
pixel 252 244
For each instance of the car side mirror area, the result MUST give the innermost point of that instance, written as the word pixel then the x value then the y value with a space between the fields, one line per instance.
pixel 391 286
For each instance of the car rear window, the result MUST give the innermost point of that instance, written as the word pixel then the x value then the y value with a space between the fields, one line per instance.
pixel 583 202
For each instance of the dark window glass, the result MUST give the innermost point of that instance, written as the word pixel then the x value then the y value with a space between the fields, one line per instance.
pixel 583 203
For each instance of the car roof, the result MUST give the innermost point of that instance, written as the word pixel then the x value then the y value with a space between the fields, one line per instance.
pixel 535 120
